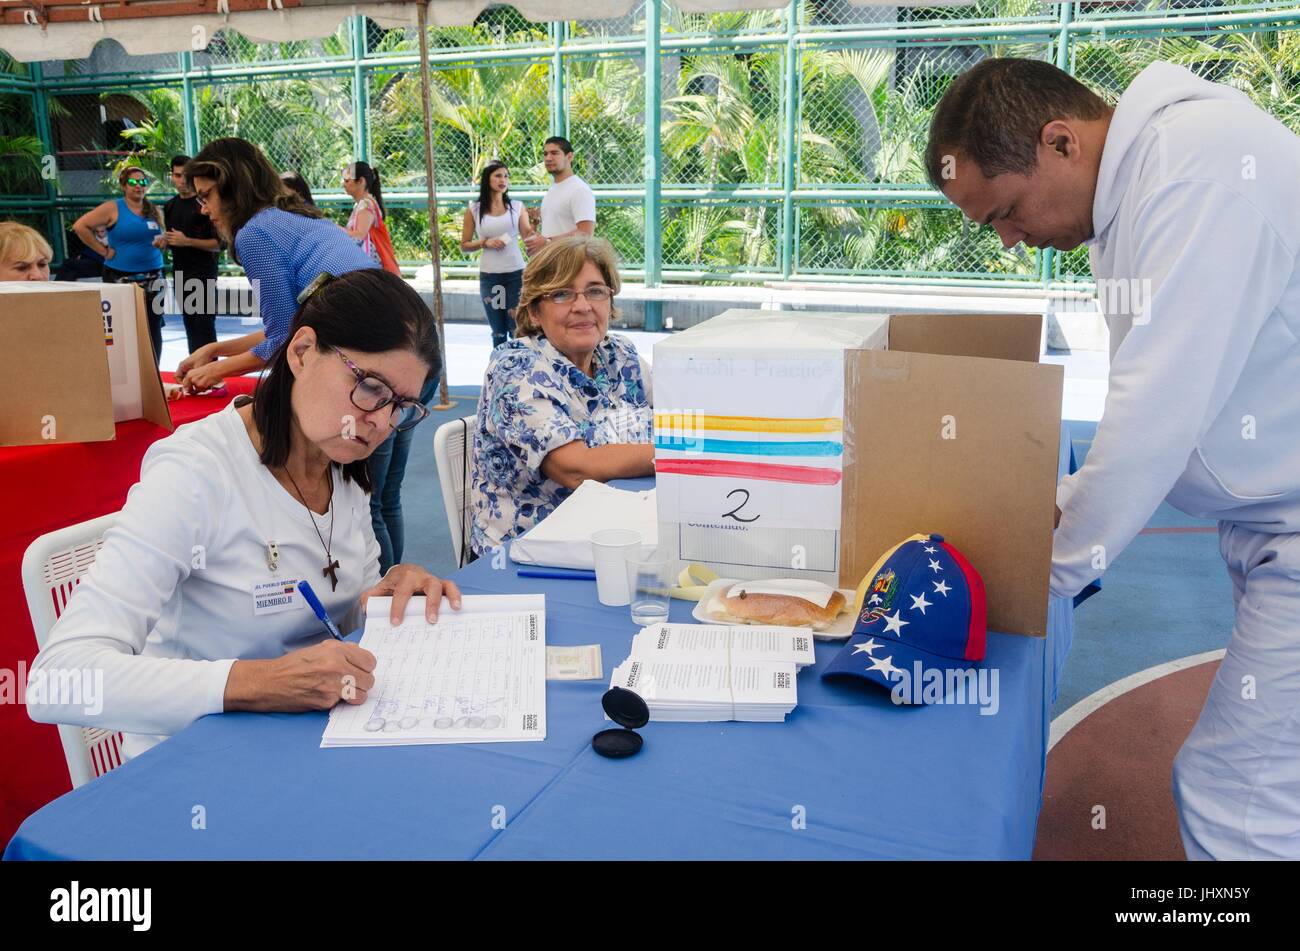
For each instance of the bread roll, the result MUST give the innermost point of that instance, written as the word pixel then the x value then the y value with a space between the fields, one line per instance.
pixel 781 609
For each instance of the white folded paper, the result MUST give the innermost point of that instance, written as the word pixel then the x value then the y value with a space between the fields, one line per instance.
pixel 704 673
pixel 563 538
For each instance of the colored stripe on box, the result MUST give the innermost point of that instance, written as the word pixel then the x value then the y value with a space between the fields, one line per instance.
pixel 745 447
pixel 762 471
pixel 746 424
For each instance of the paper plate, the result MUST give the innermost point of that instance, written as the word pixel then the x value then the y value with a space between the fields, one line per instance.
pixel 839 629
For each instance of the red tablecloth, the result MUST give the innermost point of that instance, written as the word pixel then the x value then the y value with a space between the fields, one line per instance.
pixel 46 488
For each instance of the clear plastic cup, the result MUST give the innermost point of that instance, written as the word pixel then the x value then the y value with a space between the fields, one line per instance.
pixel 649 579
pixel 609 549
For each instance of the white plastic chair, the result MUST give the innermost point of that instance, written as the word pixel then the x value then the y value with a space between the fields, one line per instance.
pixel 451 452
pixel 52 567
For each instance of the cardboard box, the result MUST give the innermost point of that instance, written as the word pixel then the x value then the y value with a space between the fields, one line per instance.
pixel 79 360
pixel 854 432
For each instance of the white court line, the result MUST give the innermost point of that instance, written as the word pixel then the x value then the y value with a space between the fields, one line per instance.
pixel 1071 718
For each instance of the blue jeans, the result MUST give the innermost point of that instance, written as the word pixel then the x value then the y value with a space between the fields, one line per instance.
pixel 387 469
pixel 511 282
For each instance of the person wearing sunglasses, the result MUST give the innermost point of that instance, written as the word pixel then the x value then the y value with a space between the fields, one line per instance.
pixel 132 252
pixel 191 607
pixel 564 401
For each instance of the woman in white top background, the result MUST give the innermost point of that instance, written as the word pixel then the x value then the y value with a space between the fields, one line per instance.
pixel 500 224
pixel 191 606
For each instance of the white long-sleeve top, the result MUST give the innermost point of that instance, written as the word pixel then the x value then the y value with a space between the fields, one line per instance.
pixel 168 606
pixel 1196 218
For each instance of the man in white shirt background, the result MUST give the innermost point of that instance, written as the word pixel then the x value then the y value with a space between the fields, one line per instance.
pixel 1188 197
pixel 569 206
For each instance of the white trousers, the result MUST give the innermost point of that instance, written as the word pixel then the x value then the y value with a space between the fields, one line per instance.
pixel 1237 778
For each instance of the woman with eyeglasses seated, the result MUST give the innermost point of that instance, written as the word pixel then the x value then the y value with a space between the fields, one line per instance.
pixel 191 607
pixel 280 241
pixel 564 401
pixel 132 252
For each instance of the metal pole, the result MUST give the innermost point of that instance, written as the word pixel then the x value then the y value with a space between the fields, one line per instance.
pixel 188 118
pixel 41 113
pixel 654 317
pixel 559 112
pixel 1048 255
pixel 422 11
pixel 360 132
pixel 790 146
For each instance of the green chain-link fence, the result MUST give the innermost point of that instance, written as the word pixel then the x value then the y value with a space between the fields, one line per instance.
pixel 790 140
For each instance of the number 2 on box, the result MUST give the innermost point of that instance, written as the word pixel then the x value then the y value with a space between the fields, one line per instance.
pixel 743 503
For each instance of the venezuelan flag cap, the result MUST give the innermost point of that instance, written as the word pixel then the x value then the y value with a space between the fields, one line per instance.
pixel 921 603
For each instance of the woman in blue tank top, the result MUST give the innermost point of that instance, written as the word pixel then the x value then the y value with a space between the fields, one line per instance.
pixel 132 253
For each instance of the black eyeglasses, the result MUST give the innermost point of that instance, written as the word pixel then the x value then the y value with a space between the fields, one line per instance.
pixel 372 393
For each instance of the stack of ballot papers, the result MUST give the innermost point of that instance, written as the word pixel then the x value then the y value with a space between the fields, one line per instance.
pixel 563 538
pixel 477 675
pixel 707 672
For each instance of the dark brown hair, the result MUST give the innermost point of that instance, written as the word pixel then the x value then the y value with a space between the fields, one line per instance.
pixel 565 146
pixel 395 318
pixel 299 184
pixel 246 182
pixel 993 113
pixel 147 209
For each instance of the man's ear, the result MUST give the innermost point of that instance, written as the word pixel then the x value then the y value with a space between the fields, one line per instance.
pixel 1060 138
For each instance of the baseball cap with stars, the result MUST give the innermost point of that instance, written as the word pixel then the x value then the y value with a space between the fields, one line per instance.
pixel 922 602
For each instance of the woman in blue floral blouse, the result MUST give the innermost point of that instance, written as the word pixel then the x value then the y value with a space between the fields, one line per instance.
pixel 564 401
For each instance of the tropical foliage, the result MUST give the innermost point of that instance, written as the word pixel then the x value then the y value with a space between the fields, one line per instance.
pixel 20 149
pixel 860 121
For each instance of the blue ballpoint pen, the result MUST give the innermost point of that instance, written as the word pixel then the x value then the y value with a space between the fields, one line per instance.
pixel 319 608
pixel 574 573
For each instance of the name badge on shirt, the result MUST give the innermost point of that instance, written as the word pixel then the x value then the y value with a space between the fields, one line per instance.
pixel 274 597
pixel 152 225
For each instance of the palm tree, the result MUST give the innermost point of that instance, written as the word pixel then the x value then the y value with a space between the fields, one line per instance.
pixel 157 138
pixel 478 114
pixel 725 127
pixel 300 123
pixel 606 113
pixel 20 149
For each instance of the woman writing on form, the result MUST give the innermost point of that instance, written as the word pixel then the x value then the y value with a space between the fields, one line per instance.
pixel 191 606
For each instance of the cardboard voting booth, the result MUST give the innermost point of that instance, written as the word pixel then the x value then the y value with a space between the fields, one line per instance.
pixel 79 361
pixel 804 444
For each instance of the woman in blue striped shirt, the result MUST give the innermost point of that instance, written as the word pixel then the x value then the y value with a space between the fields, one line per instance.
pixel 282 243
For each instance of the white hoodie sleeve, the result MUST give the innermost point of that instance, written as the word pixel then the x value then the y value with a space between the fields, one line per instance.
pixel 1217 269
pixel 145 558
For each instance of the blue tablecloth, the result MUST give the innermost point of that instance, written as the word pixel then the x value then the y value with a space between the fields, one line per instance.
pixel 848 775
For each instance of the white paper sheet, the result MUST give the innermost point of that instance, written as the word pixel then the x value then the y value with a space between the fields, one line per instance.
pixel 720 642
pixel 476 676
pixel 563 538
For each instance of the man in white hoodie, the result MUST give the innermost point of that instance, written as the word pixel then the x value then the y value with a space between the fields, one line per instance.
pixel 1188 197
